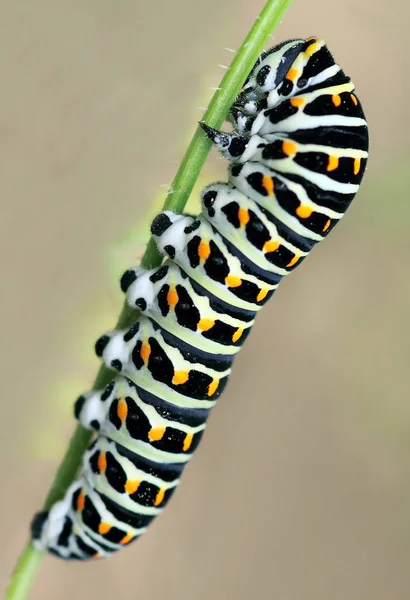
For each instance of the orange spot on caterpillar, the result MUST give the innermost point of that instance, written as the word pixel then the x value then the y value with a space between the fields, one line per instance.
pixel 180 377
pixel 104 527
pixel 97 555
pixel 297 102
pixel 327 225
pixel 145 351
pixel 336 99
pixel 81 501
pixel 289 148
pixel 356 166
pixel 172 297
pixel 122 409
pixel 102 462
pixel 262 294
pixel 213 386
pixel 205 324
pixel 270 246
pixel 303 211
pixel 187 442
pixel 354 99
pixel 159 497
pixel 293 261
pixel 233 281
pixel 131 485
pixel 333 163
pixel 156 433
pixel 127 538
pixel 243 216
pixel 268 185
pixel 292 74
pixel 204 250
pixel 237 335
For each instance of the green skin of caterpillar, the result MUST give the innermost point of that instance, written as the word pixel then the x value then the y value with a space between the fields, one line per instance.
pixel 297 156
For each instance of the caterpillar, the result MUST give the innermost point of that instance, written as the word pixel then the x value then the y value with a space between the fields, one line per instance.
pixel 297 153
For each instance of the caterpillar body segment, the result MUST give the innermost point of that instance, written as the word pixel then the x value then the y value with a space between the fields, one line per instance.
pixel 297 155
pixel 180 309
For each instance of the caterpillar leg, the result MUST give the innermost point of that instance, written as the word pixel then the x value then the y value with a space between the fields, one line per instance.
pixel 91 409
pixel 241 121
pixel 243 113
pixel 232 146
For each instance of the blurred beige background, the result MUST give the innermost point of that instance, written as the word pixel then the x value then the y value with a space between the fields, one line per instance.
pixel 301 488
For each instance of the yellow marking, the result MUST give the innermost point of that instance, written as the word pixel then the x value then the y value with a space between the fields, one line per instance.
pixel 293 261
pixel 204 250
pixel 145 351
pixel 237 335
pixel 289 148
pixel 303 211
pixel 268 185
pixel 102 462
pixel 159 497
pixel 354 99
pixel 262 294
pixel 326 227
pixel 127 538
pixel 122 409
pixel 156 433
pixel 243 216
pixel 131 485
pixel 292 74
pixel 98 555
pixel 336 99
pixel 311 50
pixel 333 163
pixel 172 297
pixel 187 442
pixel 270 246
pixel 297 102
pixel 104 527
pixel 180 377
pixel 206 324
pixel 212 387
pixel 312 38
pixel 233 281
pixel 81 501
pixel 356 167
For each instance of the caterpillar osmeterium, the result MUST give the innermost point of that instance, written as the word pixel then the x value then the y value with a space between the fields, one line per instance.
pixel 297 153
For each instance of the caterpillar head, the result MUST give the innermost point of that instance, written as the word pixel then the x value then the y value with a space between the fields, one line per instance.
pixel 272 67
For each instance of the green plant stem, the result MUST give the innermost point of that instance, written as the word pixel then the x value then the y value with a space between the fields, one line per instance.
pixel 181 189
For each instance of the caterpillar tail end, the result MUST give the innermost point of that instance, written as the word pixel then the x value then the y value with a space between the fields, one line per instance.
pixel 56 531
pixel 45 534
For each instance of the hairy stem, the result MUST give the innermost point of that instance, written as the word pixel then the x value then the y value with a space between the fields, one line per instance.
pixel 181 189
